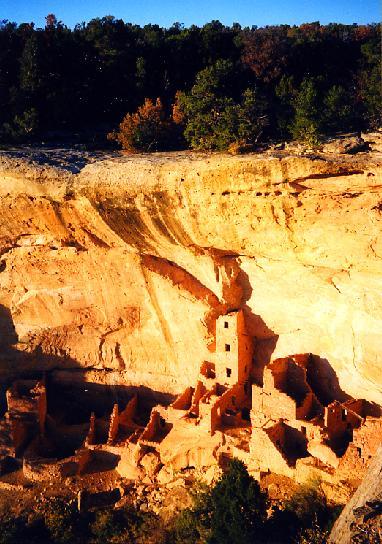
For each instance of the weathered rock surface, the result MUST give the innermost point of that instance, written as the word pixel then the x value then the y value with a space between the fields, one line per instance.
pixel 121 268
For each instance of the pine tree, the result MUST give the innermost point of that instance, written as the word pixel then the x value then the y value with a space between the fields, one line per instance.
pixel 234 511
pixel 306 125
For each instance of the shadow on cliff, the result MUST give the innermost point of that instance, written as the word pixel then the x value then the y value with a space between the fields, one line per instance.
pixel 324 381
pixel 70 396
pixel 326 386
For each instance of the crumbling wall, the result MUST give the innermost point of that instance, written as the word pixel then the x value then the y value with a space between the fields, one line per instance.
pixel 272 403
pixel 322 452
pixel 126 417
pixel 356 460
pixel 207 370
pixel 309 408
pixel 200 390
pixel 265 456
pixel 234 399
pixel 27 411
pixel 38 469
pixel 183 401
pixel 114 425
pixel 90 437
pixel 339 423
pixel 154 429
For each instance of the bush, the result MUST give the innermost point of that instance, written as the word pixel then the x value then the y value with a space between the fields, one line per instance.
pixel 146 130
pixel 13 531
pixel 116 526
pixel 63 521
pixel 22 128
pixel 314 516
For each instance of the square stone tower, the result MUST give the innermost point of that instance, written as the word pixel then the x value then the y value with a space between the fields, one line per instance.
pixel 234 349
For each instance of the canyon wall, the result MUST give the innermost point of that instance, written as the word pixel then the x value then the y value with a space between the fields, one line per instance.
pixel 121 269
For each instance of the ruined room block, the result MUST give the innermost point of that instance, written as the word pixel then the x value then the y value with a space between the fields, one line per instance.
pixel 27 409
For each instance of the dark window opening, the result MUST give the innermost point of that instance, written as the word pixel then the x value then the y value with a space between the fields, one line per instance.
pixel 245 414
pixel 226 324
pixel 303 430
pixel 344 414
pixel 359 451
pixel 227 347
pixel 228 372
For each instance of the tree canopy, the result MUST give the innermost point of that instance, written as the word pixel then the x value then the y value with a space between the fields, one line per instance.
pixel 235 83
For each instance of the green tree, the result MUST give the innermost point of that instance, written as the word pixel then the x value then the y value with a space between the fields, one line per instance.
pixel 306 125
pixel 214 117
pixel 370 81
pixel 284 111
pixel 338 111
pixel 30 65
pixel 234 511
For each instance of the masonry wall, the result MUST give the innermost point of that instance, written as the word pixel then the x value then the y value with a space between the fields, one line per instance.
pixel 183 401
pixel 114 425
pixel 265 455
pixel 361 450
pixel 234 349
pixel 234 399
pixel 154 428
pixel 126 417
pixel 340 422
pixel 200 390
pixel 273 404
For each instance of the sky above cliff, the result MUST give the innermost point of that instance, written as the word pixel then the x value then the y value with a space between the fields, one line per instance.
pixel 166 12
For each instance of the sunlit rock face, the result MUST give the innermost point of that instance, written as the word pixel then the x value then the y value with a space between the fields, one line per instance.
pixel 122 268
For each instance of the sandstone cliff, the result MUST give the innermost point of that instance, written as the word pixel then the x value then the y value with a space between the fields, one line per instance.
pixel 121 267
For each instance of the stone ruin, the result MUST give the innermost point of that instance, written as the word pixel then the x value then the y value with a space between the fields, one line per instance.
pixel 281 426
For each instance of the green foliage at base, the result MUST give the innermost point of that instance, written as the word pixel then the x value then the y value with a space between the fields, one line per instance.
pixel 234 511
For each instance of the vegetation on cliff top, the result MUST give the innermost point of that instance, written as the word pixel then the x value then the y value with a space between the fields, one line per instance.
pixel 229 85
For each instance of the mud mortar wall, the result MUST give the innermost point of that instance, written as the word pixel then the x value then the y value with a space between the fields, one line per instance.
pixel 122 268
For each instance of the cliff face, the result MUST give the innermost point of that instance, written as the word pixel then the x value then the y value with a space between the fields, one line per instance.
pixel 124 265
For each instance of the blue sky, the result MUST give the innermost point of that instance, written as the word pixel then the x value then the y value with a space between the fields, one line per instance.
pixel 166 12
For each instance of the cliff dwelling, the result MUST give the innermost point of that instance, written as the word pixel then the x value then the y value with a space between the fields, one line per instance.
pixel 281 427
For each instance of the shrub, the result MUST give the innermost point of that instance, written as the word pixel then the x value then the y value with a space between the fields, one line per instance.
pixel 314 535
pixel 13 531
pixel 124 525
pixel 148 129
pixel 63 521
pixel 23 126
